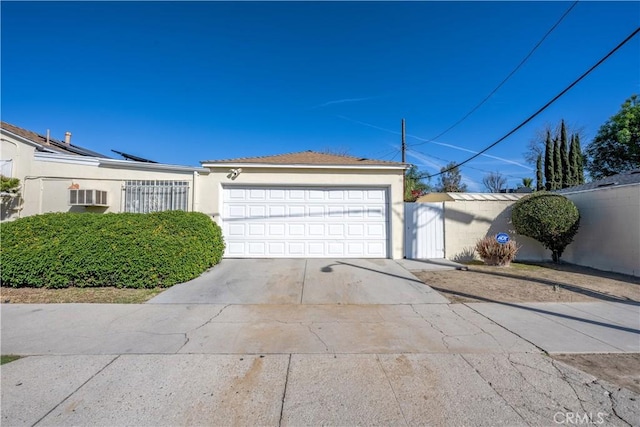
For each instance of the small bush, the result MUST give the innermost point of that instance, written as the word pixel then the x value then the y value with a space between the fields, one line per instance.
pixel 494 253
pixel 59 250
pixel 549 218
pixel 9 185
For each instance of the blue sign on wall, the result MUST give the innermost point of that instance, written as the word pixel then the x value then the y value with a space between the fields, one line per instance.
pixel 502 238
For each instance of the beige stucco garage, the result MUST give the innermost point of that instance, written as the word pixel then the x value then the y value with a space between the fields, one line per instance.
pixel 307 205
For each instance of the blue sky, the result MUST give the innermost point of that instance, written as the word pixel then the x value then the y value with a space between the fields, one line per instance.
pixel 181 82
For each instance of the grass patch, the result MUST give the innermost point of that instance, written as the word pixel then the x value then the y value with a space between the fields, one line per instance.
pixel 77 295
pixel 6 358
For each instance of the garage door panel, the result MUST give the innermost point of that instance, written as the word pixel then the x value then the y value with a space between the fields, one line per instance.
pixel 257 230
pixel 355 230
pixel 316 230
pixel 276 230
pixel 236 211
pixel 335 230
pixel 296 230
pixel 296 249
pixel 375 230
pixel 316 211
pixel 305 222
pixel 277 194
pixel 236 230
pixel 355 212
pixel 276 248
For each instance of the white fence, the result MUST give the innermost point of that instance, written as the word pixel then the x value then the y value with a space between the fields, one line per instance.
pixel 424 230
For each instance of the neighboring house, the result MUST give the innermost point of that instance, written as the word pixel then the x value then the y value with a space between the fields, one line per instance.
pixel 57 176
pixel 305 204
pixel 609 234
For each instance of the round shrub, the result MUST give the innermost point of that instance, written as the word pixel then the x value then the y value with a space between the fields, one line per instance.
pixel 59 250
pixel 549 218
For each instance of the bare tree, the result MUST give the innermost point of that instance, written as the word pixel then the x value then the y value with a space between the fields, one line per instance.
pixel 450 180
pixel 494 182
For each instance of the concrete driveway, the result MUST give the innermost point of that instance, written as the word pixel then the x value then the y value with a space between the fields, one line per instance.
pixel 303 281
pixel 305 342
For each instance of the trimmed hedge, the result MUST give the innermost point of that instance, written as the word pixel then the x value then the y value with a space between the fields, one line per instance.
pixel 550 218
pixel 128 250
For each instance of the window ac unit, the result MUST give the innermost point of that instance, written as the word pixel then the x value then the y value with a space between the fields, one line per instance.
pixel 87 197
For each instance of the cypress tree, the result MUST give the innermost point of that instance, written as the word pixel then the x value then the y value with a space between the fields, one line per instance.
pixel 548 163
pixel 573 165
pixel 579 161
pixel 539 183
pixel 557 164
pixel 564 158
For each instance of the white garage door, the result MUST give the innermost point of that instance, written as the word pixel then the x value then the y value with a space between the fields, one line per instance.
pixel 301 222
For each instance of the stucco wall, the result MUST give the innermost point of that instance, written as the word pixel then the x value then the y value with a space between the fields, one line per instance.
pixel 609 234
pixel 388 178
pixel 45 182
pixel 465 222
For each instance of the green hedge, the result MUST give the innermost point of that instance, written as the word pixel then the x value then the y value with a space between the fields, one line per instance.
pixel 59 250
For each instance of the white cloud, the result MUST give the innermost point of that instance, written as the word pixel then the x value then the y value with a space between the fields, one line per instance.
pixel 342 101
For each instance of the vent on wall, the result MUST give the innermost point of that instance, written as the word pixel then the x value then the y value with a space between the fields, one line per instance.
pixel 87 197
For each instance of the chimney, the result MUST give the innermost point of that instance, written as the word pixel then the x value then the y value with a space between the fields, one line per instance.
pixel 67 138
pixel 48 135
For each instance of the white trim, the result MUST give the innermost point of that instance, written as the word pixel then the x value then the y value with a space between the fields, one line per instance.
pixel 300 166
pixel 127 164
pixel 113 163
pixel 66 158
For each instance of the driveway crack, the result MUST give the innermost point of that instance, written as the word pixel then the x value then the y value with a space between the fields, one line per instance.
pixel 304 278
pixel 211 319
pixel 326 347
pixel 444 336
pixel 186 334
pixel 506 402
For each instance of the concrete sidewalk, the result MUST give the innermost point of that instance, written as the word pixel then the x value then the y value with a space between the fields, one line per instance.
pixel 238 329
pixel 581 327
pixel 297 364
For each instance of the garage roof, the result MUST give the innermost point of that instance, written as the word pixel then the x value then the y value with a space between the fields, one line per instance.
pixel 305 158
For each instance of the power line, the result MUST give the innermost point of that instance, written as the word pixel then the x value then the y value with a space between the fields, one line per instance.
pixel 473 110
pixel 467 166
pixel 544 107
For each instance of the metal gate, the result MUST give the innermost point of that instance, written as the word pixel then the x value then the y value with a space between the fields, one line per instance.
pixel 424 230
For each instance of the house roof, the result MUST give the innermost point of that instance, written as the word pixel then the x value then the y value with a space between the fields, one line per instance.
pixel 456 197
pixel 306 158
pixel 625 178
pixel 49 144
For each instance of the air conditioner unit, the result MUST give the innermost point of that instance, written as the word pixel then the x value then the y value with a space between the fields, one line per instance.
pixel 87 197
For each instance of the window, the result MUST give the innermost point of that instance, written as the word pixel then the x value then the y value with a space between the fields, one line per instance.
pixel 155 196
